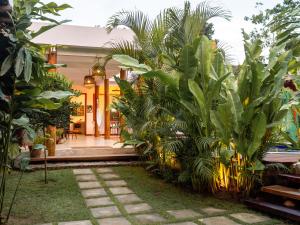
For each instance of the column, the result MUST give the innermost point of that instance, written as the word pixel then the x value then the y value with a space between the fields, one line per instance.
pixel 106 109
pixel 52 57
pixel 51 130
pixel 123 76
pixel 96 108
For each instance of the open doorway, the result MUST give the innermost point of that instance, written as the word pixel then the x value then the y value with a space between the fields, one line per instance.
pixel 78 119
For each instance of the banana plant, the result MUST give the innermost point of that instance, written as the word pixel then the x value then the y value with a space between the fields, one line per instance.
pixel 250 111
pixel 21 67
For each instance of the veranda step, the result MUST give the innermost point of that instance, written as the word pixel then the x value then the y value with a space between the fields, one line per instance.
pixel 283 191
pixel 281 211
pixel 291 178
pixel 82 158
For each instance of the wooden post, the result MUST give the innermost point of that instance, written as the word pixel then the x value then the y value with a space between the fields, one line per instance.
pixel 52 57
pixel 96 105
pixel 51 141
pixel 51 130
pixel 123 76
pixel 106 109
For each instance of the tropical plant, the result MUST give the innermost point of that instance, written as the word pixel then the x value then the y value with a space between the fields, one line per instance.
pixel 192 108
pixel 22 66
pixel 167 33
pixel 59 117
pixel 250 111
pixel 274 16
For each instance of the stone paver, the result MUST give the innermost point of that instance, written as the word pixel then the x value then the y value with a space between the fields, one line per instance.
pixel 218 220
pixel 104 201
pixel 149 218
pixel 89 185
pixel 212 210
pixel 108 211
pixel 120 190
pixel 83 222
pixel 116 183
pixel 184 223
pixel 114 221
pixel 129 198
pixel 137 208
pixel 93 192
pixel 82 171
pixel 184 213
pixel 88 177
pixel 249 217
pixel 110 176
pixel 105 170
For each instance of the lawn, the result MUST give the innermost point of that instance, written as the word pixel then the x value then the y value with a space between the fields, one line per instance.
pixel 61 200
pixel 37 202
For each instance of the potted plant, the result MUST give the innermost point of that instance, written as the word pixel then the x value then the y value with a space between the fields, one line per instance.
pixel 37 147
pixel 59 135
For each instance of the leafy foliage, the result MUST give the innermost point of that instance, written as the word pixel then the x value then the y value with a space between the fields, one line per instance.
pixel 22 67
pixel 188 111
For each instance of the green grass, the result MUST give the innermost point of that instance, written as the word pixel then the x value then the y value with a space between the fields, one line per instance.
pixel 37 202
pixel 61 200
pixel 164 196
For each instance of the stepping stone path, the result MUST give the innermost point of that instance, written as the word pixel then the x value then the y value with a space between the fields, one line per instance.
pixel 86 177
pixel 88 185
pixel 219 220
pixel 129 198
pixel 93 193
pixel 116 183
pixel 137 208
pixel 108 211
pixel 116 221
pixel 249 217
pixel 103 201
pixel 82 171
pixel 108 197
pixel 120 190
pixel 184 213
pixel 184 223
pixel 105 170
pixel 211 210
pixel 110 176
pixel 83 222
pixel 149 218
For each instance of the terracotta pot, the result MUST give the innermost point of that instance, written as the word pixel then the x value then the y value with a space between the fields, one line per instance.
pixel 35 153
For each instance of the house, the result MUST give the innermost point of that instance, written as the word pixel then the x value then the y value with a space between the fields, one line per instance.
pixel 80 48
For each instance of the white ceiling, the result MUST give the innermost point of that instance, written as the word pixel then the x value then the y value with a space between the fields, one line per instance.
pixel 79 66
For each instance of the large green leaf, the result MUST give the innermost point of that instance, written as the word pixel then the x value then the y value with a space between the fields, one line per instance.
pixel 200 99
pixel 168 79
pixel 19 65
pixel 7 64
pixel 28 66
pixel 258 130
pixel 129 62
pixel 204 55
pixel 55 94
pixel 22 121
pixel 188 62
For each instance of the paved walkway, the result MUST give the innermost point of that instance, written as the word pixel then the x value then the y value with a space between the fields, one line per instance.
pixel 112 202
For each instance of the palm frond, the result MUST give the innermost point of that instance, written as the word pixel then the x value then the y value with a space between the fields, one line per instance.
pixel 137 21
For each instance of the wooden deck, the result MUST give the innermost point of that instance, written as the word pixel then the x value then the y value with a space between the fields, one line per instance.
pixel 92 153
pixel 287 158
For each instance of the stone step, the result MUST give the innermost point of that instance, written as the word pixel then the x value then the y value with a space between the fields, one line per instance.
pixel 279 210
pixel 81 165
pixel 283 191
pixel 83 158
pixel 290 177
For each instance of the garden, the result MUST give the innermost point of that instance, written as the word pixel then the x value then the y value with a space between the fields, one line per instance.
pixel 201 125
